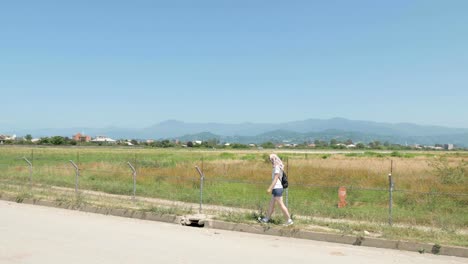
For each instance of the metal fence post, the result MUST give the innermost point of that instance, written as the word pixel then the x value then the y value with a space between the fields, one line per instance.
pixel 30 171
pixel 202 178
pixel 287 189
pixel 390 205
pixel 77 175
pixel 390 186
pixel 134 179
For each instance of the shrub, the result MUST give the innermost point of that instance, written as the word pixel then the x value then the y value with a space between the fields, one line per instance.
pixel 449 173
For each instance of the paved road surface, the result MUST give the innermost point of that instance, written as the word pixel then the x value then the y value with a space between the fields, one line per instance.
pixel 35 234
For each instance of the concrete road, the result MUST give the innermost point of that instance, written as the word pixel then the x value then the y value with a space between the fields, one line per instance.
pixel 35 234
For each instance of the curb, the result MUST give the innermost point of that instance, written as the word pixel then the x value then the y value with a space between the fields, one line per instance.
pixel 263 229
pixel 342 239
pixel 128 213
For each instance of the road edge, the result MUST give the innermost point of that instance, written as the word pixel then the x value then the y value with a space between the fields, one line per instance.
pixel 264 229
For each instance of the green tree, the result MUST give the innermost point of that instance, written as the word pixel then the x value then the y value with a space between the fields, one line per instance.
pixel 360 145
pixel 239 146
pixel 165 144
pixel 375 144
pixel 28 137
pixel 57 140
pixel 211 143
pixel 44 140
pixel 268 145
pixel 320 143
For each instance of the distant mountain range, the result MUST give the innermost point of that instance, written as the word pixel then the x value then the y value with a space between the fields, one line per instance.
pixel 295 132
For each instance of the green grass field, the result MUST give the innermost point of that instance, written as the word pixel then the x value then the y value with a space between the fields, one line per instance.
pixel 431 188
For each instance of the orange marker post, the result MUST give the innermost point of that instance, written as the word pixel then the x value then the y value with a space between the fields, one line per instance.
pixel 342 196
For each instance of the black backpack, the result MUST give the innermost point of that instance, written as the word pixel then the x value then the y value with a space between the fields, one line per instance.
pixel 284 180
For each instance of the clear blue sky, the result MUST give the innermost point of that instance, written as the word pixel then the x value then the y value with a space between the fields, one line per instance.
pixel 137 63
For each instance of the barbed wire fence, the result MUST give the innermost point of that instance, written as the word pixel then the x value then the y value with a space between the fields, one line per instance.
pixel 22 170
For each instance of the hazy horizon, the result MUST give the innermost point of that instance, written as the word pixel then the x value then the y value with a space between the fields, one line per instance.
pixel 215 122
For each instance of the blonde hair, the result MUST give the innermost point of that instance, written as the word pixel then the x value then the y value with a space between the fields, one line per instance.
pixel 276 161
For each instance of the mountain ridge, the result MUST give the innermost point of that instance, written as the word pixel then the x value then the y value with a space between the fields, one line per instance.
pixel 305 130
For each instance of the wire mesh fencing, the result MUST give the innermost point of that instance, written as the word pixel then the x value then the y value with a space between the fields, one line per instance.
pixel 242 183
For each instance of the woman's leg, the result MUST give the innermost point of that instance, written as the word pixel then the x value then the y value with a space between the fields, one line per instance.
pixel 283 207
pixel 271 209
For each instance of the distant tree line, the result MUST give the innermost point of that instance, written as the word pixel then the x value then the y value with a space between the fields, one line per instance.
pixel 216 144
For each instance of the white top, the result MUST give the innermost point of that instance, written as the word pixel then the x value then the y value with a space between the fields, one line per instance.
pixel 278 184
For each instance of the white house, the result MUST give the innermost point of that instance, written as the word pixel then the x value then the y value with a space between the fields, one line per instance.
pixel 5 138
pixel 103 139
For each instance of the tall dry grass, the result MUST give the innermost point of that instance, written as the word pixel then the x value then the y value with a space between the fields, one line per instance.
pixel 415 173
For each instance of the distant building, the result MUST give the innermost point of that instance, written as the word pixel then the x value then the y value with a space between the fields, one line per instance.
pixel 4 138
pixel 448 146
pixel 103 139
pixel 81 138
pixel 416 146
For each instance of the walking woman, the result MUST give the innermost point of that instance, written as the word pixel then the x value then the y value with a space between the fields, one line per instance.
pixel 276 189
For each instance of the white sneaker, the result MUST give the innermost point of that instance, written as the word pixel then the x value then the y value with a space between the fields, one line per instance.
pixel 289 222
pixel 263 220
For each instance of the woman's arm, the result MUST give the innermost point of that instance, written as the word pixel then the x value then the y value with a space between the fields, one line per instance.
pixel 273 183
